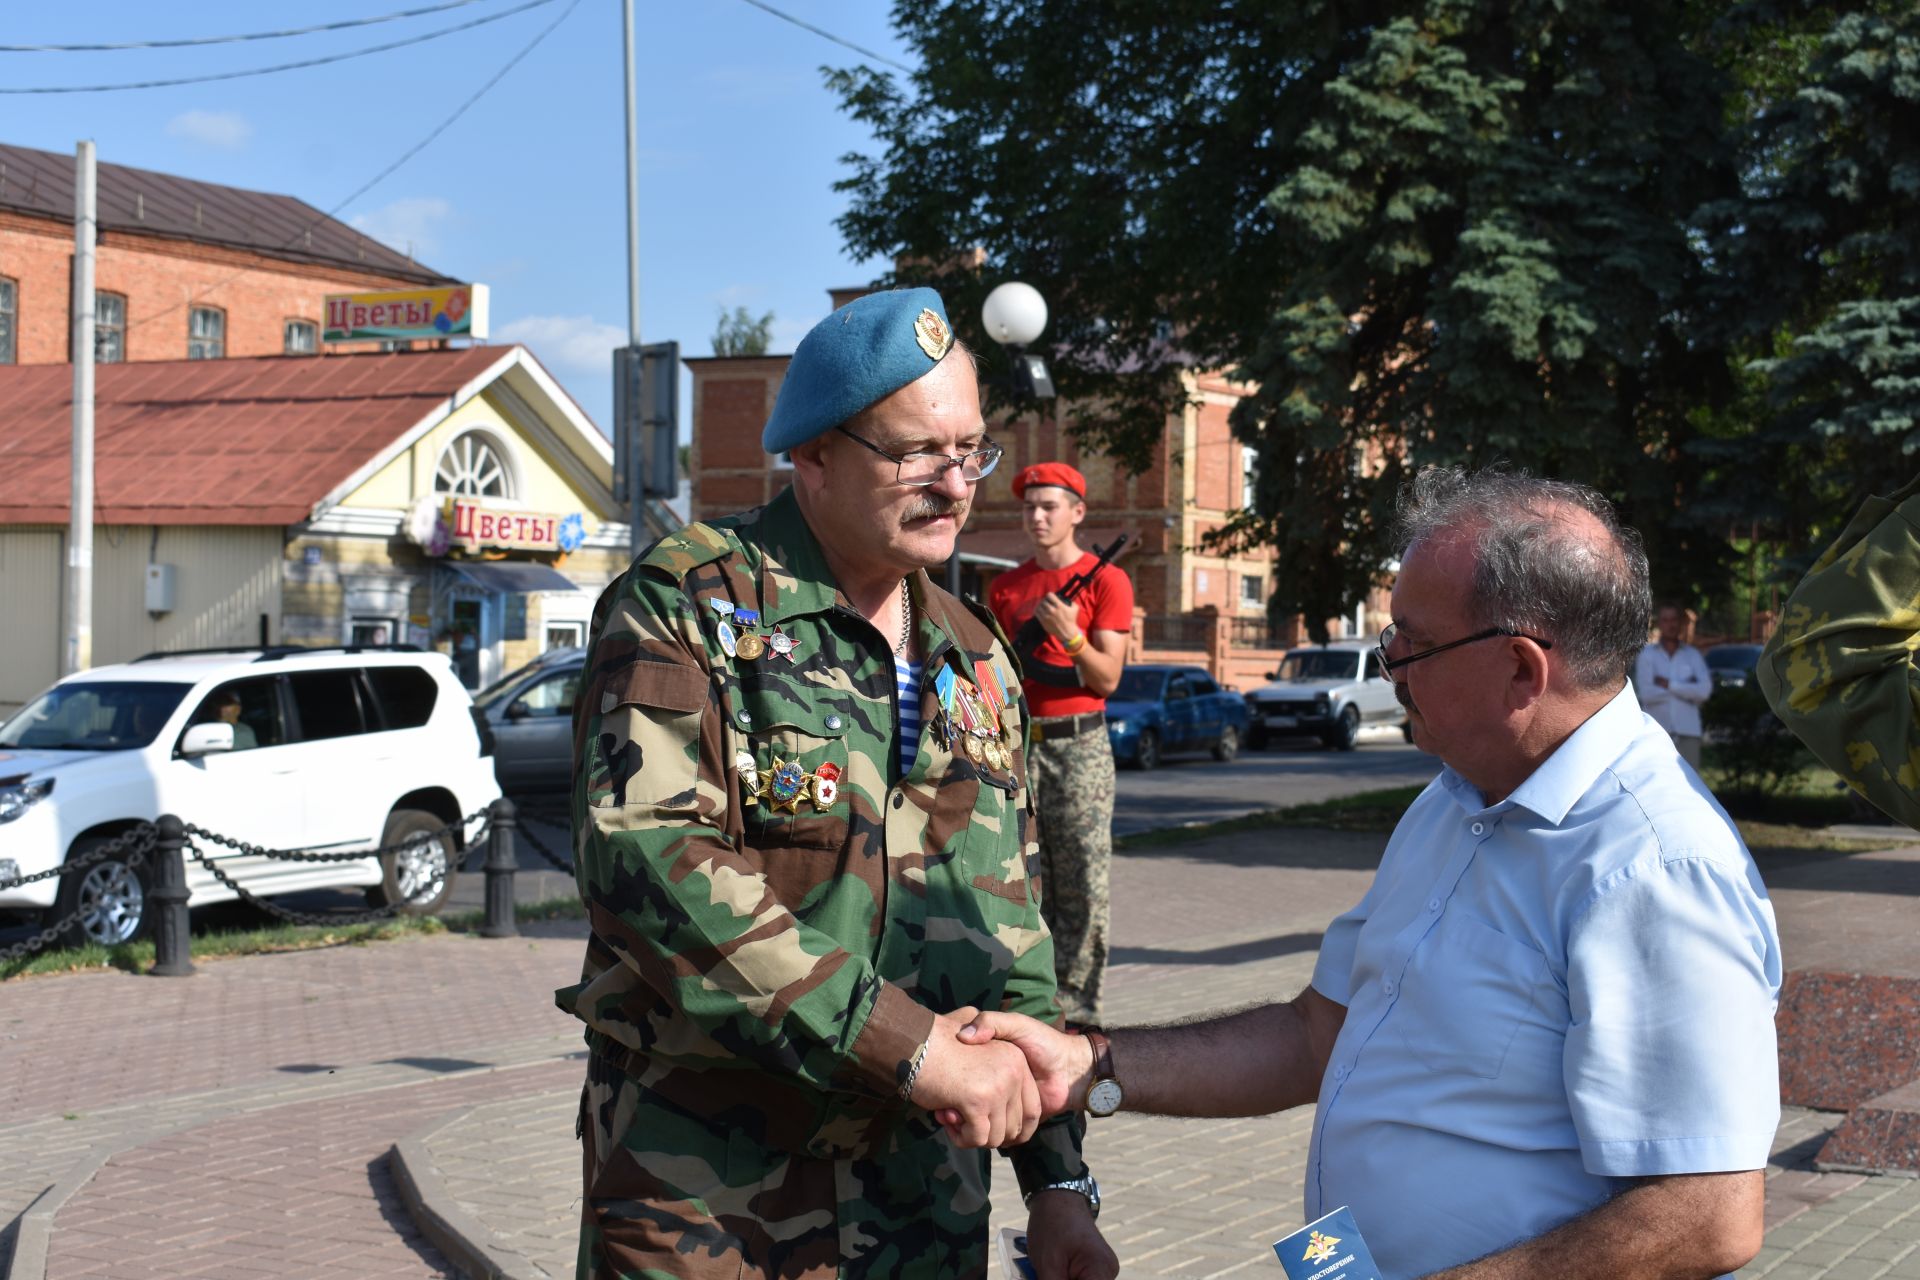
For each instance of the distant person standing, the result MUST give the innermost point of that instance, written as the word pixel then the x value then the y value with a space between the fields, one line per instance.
pixel 1671 680
pixel 1068 679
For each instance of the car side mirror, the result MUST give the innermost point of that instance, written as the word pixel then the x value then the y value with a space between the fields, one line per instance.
pixel 518 710
pixel 207 739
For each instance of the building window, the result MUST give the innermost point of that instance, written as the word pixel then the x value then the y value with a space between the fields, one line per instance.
pixel 1249 471
pixel 473 465
pixel 206 333
pixel 1253 590
pixel 303 337
pixel 9 297
pixel 109 328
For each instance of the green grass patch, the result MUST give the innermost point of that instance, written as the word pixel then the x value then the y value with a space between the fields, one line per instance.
pixel 1379 811
pixel 1366 811
pixel 212 944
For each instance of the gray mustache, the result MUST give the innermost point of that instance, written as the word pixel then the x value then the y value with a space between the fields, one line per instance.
pixel 931 504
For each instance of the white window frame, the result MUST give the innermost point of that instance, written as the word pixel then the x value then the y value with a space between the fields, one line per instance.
pixel 217 341
pixel 505 460
pixel 287 328
pixel 102 330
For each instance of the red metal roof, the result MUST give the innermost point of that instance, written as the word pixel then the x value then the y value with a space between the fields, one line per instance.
pixel 144 202
pixel 234 442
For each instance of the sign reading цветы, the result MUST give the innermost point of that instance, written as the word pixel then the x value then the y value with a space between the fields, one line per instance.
pixel 455 311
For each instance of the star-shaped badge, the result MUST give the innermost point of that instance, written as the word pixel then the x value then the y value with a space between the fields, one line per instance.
pixel 783 786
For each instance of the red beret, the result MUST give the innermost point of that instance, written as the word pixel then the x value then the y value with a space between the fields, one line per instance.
pixel 1050 473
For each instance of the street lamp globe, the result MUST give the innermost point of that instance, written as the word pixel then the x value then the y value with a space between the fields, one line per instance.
pixel 1014 314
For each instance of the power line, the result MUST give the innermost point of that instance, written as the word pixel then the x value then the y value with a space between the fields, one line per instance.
pixel 385 173
pixel 256 35
pixel 828 35
pixel 285 66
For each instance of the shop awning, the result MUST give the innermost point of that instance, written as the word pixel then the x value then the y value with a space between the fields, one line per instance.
pixel 511 577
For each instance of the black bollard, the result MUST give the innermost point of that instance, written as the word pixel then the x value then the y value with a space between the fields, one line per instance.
pixel 172 944
pixel 500 867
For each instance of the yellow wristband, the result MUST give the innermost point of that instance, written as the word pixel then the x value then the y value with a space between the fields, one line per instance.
pixel 1074 646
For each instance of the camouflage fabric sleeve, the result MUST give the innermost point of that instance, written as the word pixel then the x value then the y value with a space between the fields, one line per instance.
pixel 1839 668
pixel 1053 1153
pixel 684 903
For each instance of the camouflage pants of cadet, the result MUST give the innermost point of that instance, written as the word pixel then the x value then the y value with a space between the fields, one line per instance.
pixel 672 1194
pixel 1072 782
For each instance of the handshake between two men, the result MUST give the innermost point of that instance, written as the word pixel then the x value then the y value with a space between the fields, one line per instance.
pixel 990 1078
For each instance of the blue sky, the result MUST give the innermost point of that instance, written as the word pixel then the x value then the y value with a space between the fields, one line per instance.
pixel 740 147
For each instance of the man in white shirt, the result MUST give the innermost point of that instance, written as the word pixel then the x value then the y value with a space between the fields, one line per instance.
pixel 1672 681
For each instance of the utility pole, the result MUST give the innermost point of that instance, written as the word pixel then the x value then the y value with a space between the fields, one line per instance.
pixel 79 646
pixel 635 456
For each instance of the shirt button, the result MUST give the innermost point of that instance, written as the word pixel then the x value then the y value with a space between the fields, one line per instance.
pixel 834 722
pixel 1386 985
pixel 1479 827
pixel 742 716
pixel 898 800
pixel 1340 1072
pixel 1433 904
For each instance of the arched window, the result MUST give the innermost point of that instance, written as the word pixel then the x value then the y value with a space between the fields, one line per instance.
pixel 475 465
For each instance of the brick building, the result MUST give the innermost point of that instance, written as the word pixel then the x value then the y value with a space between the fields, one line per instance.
pixel 184 269
pixel 1193 604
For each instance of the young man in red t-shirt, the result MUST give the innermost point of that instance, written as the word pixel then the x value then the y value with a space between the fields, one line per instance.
pixel 1067 680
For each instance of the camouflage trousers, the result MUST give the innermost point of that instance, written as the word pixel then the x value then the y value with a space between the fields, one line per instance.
pixel 1072 782
pixel 669 1193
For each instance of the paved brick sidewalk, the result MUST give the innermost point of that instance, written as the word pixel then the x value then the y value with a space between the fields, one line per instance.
pixel 1236 922
pixel 239 1120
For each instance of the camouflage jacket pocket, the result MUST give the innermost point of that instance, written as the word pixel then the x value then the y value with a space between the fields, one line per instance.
pixel 643 743
pixel 798 740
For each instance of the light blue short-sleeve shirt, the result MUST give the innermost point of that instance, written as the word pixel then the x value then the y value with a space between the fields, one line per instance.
pixel 1544 996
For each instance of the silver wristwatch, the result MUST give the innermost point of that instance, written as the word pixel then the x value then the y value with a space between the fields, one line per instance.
pixel 1084 1184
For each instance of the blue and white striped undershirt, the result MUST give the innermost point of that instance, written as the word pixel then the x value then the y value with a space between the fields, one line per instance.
pixel 906 682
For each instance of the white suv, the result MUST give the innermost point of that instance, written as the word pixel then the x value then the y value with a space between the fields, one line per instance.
pixel 1331 691
pixel 328 750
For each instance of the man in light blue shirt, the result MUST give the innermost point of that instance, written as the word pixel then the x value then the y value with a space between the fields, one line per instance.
pixel 1542 1043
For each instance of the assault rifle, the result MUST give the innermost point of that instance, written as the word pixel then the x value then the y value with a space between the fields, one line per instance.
pixel 1027 640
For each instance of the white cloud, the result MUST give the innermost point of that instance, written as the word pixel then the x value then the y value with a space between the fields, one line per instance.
pixel 227 130
pixel 566 342
pixel 411 224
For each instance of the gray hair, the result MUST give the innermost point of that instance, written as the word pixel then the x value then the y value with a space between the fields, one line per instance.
pixel 1537 571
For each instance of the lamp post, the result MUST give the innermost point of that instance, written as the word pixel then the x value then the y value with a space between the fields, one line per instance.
pixel 1014 315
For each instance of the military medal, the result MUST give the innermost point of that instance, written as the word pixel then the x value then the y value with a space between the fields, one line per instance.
pixel 747 617
pixel 782 644
pixel 826 785
pixel 729 642
pixel 720 606
pixel 750 647
pixel 744 766
pixel 783 786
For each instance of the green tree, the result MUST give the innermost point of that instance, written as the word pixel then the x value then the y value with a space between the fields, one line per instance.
pixel 1426 230
pixel 740 334
pixel 1818 260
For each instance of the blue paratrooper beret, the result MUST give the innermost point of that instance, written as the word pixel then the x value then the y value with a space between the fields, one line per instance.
pixel 864 352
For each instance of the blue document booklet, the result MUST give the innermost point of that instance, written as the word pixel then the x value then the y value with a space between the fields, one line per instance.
pixel 1326 1249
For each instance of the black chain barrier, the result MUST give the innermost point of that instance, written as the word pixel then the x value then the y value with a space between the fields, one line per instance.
pixel 528 817
pixel 352 855
pixel 288 914
pixel 139 839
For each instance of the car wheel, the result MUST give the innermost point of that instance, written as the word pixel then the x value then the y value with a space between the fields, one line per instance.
pixel 1227 746
pixel 419 877
pixel 108 902
pixel 1346 730
pixel 1146 752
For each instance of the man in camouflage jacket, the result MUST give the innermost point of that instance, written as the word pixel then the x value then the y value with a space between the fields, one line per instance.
pixel 1839 668
pixel 794 908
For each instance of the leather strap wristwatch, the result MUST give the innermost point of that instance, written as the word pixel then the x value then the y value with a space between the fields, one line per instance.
pixel 1104 1095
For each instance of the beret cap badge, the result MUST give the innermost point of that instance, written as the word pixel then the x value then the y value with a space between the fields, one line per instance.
pixel 931 332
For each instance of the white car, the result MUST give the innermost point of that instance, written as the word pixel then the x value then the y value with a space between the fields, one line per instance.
pixel 328 750
pixel 1329 691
